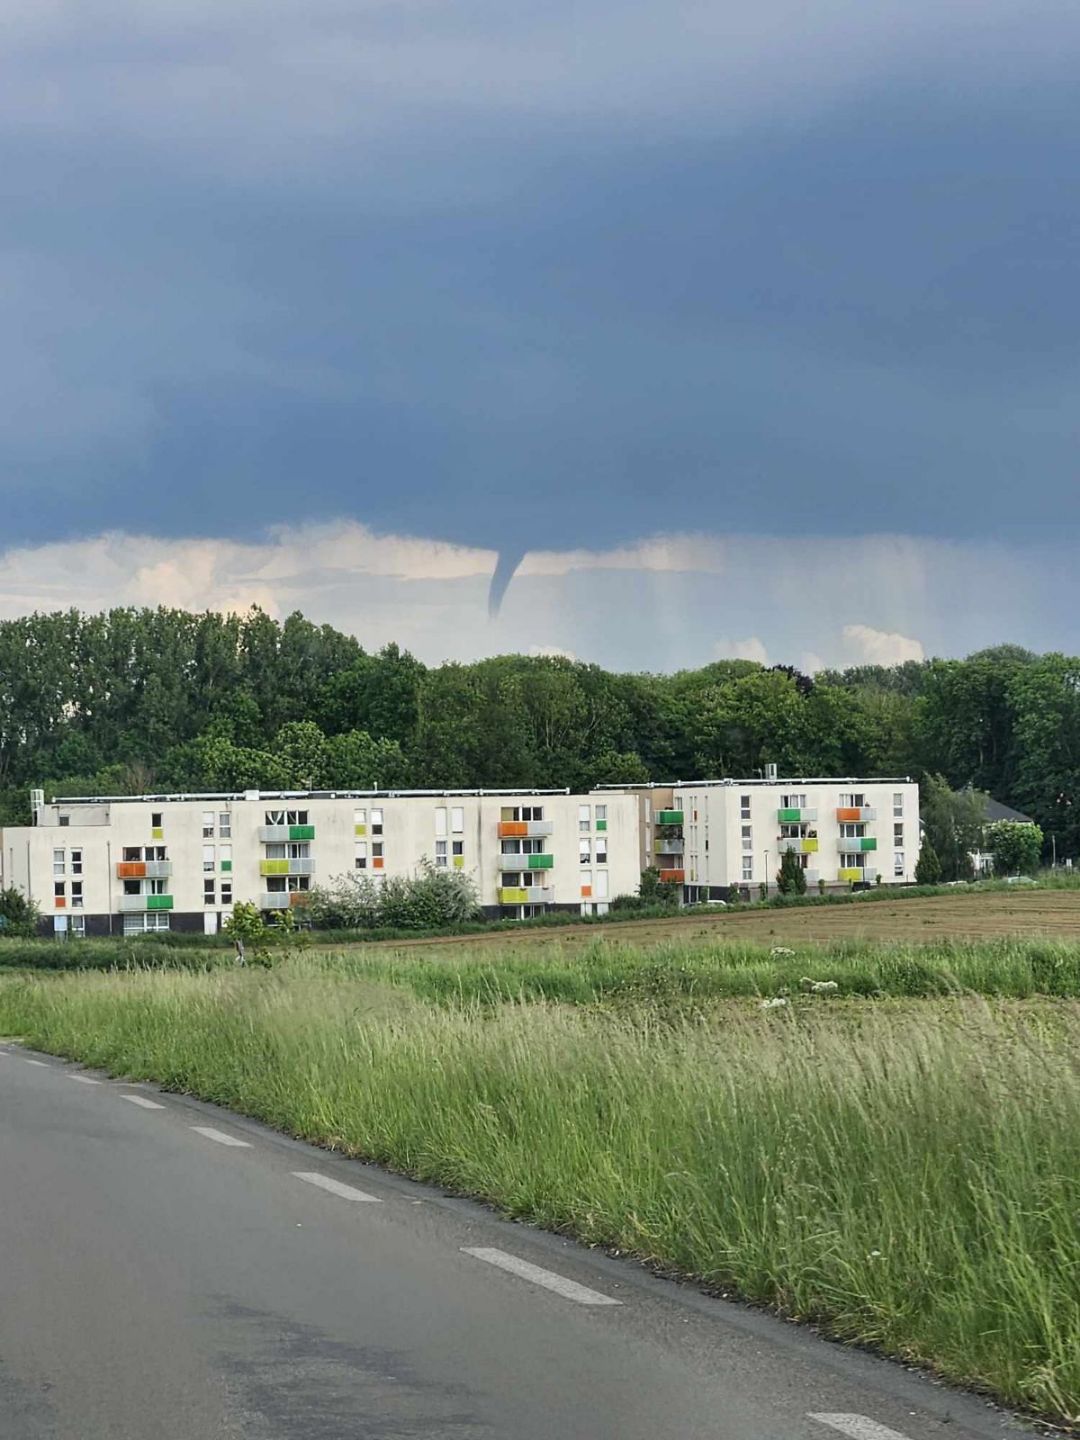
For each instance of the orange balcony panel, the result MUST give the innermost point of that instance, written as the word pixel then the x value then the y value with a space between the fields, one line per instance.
pixel 377 863
pixel 60 902
pixel 586 892
pixel 673 877
pixel 131 869
pixel 299 897
pixel 849 816
pixel 513 829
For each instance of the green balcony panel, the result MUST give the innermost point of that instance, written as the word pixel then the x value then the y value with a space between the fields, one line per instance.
pixel 541 862
pixel 788 817
pixel 301 832
pixel 669 817
pixel 869 843
pixel 601 824
pixel 226 865
pixel 159 902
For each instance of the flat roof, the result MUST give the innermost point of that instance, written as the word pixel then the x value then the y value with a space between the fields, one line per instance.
pixel 780 780
pixel 258 795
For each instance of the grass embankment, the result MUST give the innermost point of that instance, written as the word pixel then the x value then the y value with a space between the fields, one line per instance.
pixel 906 1173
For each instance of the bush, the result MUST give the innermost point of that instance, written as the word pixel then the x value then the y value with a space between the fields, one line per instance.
pixel 928 866
pixel 1016 846
pixel 654 891
pixel 245 922
pixel 791 877
pixel 18 916
pixel 432 899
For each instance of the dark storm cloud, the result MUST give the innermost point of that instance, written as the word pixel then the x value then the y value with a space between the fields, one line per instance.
pixel 529 278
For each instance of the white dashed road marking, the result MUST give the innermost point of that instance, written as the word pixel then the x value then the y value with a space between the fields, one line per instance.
pixel 220 1136
pixel 335 1187
pixel 568 1289
pixel 84 1079
pixel 142 1100
pixel 43 1063
pixel 859 1427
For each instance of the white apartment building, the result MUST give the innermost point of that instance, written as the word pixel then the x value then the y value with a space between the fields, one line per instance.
pixel 132 864
pixel 720 834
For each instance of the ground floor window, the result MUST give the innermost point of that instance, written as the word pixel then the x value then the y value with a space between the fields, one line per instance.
pixel 145 924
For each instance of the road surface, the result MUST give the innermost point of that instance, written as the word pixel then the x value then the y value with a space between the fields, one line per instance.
pixel 169 1271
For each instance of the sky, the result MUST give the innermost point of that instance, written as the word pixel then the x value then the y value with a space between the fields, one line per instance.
pixel 732 328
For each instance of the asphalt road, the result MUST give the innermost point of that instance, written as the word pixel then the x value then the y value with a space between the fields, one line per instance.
pixel 159 1284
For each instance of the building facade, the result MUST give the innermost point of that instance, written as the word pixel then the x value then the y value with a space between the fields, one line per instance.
pixel 719 834
pixel 129 865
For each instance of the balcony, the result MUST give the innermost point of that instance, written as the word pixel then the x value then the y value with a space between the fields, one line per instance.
pixel 507 861
pixel 855 814
pixel 287 867
pixel 134 904
pixel 672 846
pixel 672 877
pixel 803 845
pixel 143 869
pixel 852 847
pixel 275 834
pixel 669 817
pixel 284 899
pixel 525 829
pixel 796 817
pixel 858 875
pixel 526 895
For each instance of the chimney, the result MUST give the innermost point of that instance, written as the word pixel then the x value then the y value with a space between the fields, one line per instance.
pixel 37 804
pixel 770 774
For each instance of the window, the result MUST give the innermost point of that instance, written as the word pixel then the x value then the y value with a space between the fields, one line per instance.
pixel 77 927
pixel 208 824
pixel 522 812
pixel 601 891
pixel 376 822
pixel 744 807
pixel 748 867
pixel 132 887
pixel 747 838
pixel 457 821
pixel 440 853
pixel 76 862
pixel 440 820
pixel 511 879
pixel 793 802
pixel 601 813
pixel 584 818
pixel 156 852
pixel 154 887
pixel 156 820
pixel 377 855
pixel 585 852
pixel 209 857
pixel 586 882
pixel 853 860
pixel 298 850
pixel 65 819
pixel 208 896
pixel 360 821
pixel 601 850
pixel 361 855
pixel 853 800
pixel 898 862
pixel 849 830
pixel 225 857
pixel 898 834
pixel 59 890
pixel 510 847
pixel 224 825
pixel 226 892
pixel 58 862
pixel 457 847
pixel 898 803
pixel 286 817
pixel 77 894
pixel 132 853
pixel 141 924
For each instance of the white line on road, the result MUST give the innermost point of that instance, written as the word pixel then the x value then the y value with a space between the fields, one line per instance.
pixel 84 1079
pixel 219 1136
pixel 142 1100
pixel 43 1063
pixel 568 1289
pixel 335 1187
pixel 859 1427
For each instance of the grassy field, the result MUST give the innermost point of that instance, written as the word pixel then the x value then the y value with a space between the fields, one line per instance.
pixel 905 1171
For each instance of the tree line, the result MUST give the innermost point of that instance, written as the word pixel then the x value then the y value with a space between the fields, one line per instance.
pixel 137 700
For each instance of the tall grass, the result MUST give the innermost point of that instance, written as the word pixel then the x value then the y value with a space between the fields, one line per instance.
pixel 906 1173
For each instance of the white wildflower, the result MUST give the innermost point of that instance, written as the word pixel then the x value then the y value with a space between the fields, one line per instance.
pixel 781 950
pixel 824 987
pixel 775 1003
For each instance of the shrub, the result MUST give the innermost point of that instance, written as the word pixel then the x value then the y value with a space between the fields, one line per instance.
pixel 18 916
pixel 245 922
pixel 928 867
pixel 1016 846
pixel 431 899
pixel 791 877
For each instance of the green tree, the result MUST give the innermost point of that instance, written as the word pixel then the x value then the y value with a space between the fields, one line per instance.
pixel 245 922
pixel 654 891
pixel 18 915
pixel 928 866
pixel 1015 846
pixel 791 877
pixel 953 822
